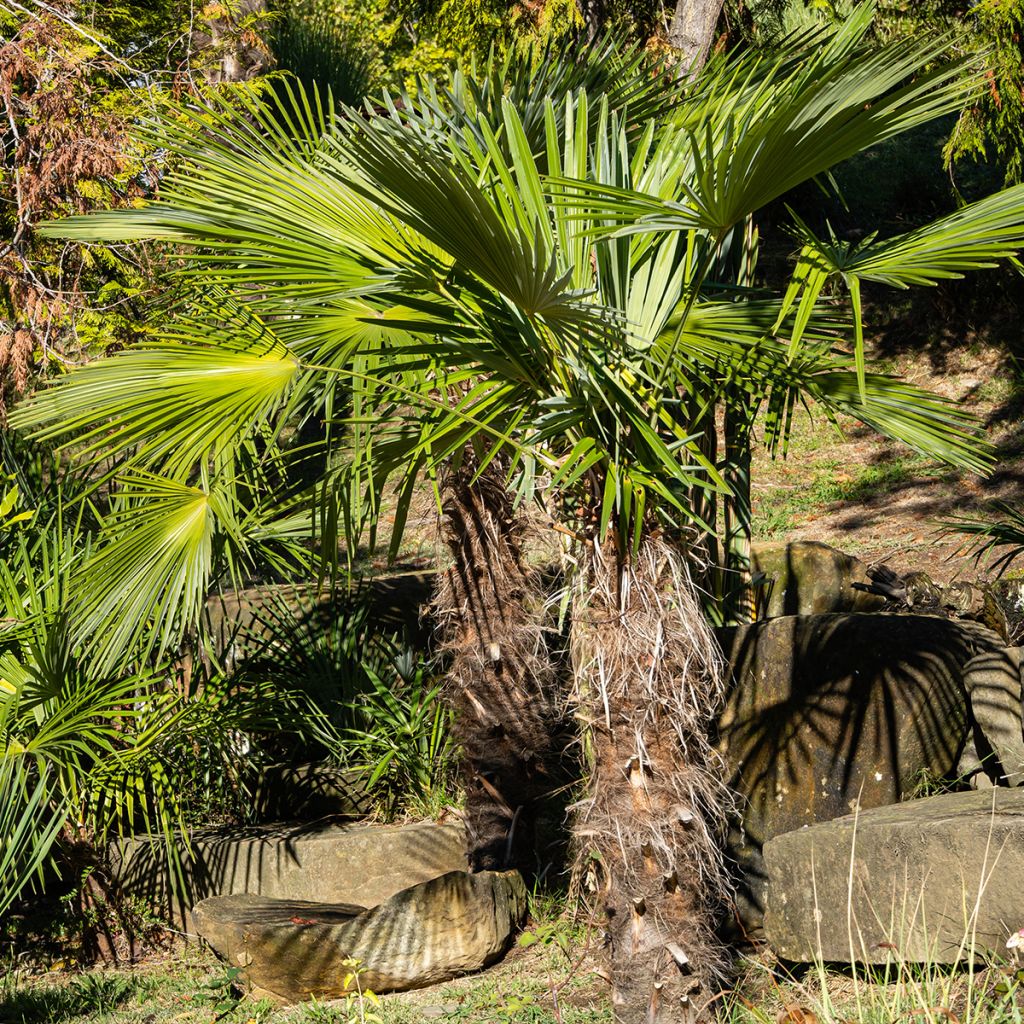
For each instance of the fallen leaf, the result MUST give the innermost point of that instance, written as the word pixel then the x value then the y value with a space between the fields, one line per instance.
pixel 791 1013
pixel 303 920
pixel 939 1011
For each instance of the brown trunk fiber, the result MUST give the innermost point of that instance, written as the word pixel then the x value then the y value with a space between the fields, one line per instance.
pixel 490 611
pixel 692 31
pixel 650 682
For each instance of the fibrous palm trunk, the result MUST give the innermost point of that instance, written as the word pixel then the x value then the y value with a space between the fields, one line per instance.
pixel 650 681
pixel 490 610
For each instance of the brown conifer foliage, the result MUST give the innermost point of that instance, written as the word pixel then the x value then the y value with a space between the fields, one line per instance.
pixel 63 152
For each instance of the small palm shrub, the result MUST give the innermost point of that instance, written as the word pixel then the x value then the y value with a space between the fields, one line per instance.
pixel 376 695
pixel 92 752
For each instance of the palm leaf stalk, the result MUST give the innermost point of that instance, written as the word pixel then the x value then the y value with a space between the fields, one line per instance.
pixel 562 292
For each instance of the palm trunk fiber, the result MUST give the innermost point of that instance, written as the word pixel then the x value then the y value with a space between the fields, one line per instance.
pixel 650 681
pixel 489 607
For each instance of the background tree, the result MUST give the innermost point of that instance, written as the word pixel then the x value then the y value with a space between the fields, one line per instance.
pixel 692 31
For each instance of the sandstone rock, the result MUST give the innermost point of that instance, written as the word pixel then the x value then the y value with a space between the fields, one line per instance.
pixel 993 684
pixel 425 934
pixel 349 863
pixel 309 792
pixel 827 711
pixel 809 578
pixel 1008 595
pixel 239 622
pixel 938 879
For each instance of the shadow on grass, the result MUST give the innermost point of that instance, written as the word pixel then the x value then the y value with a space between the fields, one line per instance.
pixel 84 998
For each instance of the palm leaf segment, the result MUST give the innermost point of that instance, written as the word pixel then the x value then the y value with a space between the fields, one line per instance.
pixel 552 293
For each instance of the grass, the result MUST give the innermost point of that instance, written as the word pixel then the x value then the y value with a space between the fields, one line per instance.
pixel 831 482
pixel 192 987
pixel 188 990
pixel 549 977
pixel 915 993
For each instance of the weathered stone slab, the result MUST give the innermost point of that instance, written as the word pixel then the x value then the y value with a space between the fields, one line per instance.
pixel 309 792
pixel 993 684
pixel 939 879
pixel 826 712
pixel 429 933
pixel 807 577
pixel 239 616
pixel 331 863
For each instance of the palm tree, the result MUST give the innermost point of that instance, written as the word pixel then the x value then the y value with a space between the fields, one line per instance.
pixel 427 287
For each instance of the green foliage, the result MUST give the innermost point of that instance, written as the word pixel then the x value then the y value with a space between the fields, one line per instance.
pixel 93 748
pixel 334 57
pixel 71 94
pixel 221 993
pixel 988 33
pixel 544 279
pixel 87 997
pixel 995 121
pixel 380 696
pixel 998 536
pixel 391 44
pixel 879 993
pixel 402 740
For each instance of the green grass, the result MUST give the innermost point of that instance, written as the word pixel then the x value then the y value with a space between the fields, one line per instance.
pixel 778 511
pixel 553 955
pixel 187 990
pixel 914 993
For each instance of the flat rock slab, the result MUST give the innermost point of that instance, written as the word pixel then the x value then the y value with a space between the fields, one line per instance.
pixel 431 932
pixel 327 863
pixel 939 879
pixel 826 713
pixel 805 577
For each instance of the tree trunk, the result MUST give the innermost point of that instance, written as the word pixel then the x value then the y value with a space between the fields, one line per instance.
pixel 738 518
pixel 692 32
pixel 490 609
pixel 595 15
pixel 650 681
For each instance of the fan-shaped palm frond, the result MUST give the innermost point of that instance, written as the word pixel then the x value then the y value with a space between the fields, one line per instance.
pixel 542 284
pixel 998 533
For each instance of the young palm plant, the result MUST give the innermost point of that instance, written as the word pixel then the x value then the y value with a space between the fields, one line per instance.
pixel 552 305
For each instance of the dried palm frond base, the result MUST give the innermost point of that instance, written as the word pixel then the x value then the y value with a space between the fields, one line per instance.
pixel 650 681
pixel 490 610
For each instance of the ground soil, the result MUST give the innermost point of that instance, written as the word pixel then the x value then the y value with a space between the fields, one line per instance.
pixel 853 489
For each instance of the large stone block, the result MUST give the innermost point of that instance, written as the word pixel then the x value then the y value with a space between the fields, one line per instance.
pixel 329 863
pixel 939 879
pixel 309 792
pixel 238 617
pixel 806 577
pixel 429 933
pixel 828 712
